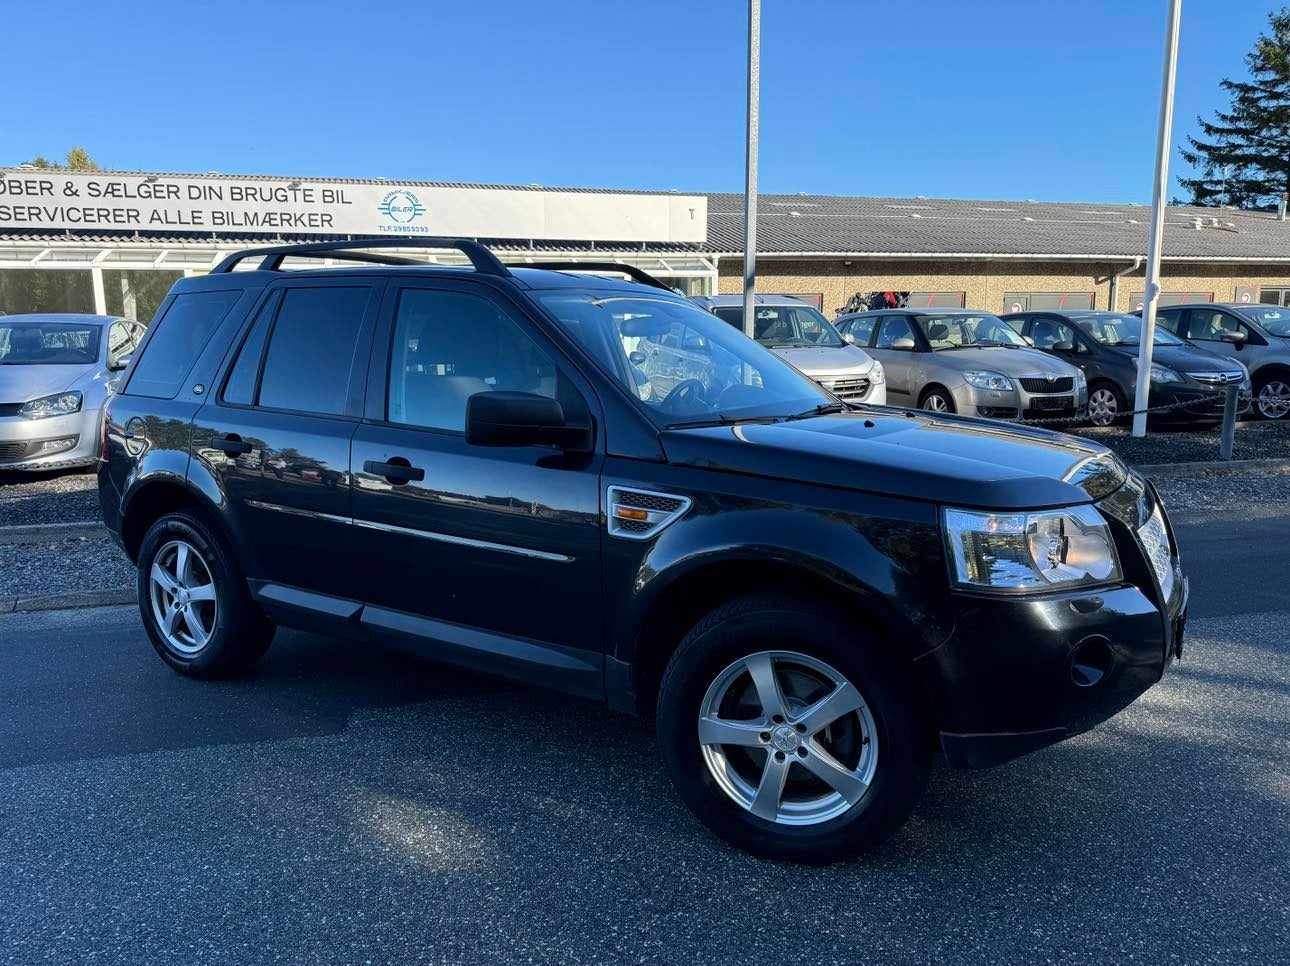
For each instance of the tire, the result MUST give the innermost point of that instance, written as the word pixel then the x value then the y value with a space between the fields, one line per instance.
pixel 1106 404
pixel 1272 396
pixel 937 400
pixel 236 633
pixel 888 739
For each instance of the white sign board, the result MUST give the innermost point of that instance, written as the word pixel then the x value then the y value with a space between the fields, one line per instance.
pixel 36 200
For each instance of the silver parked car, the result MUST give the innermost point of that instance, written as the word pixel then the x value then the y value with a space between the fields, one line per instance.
pixel 966 361
pixel 796 332
pixel 1257 336
pixel 54 375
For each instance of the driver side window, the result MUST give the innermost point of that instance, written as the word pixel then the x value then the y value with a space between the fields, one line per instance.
pixel 1207 325
pixel 893 328
pixel 1047 333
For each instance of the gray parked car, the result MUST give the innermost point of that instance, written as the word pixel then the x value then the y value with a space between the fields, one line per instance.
pixel 54 374
pixel 796 332
pixel 1257 336
pixel 966 361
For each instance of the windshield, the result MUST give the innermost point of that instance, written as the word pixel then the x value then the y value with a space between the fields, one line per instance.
pixel 683 364
pixel 957 331
pixel 785 326
pixel 48 343
pixel 1275 320
pixel 1121 330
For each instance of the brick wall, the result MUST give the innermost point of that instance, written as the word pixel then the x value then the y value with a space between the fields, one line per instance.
pixel 985 282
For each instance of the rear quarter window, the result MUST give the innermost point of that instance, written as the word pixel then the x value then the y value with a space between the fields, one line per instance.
pixel 181 335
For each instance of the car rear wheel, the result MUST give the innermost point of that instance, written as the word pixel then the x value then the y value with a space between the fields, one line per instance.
pixel 1272 397
pixel 194 601
pixel 1106 404
pixel 937 400
pixel 790 734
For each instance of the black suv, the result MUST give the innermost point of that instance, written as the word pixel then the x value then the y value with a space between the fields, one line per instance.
pixel 809 597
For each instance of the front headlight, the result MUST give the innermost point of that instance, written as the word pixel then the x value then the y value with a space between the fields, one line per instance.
pixel 59 404
pixel 984 379
pixel 877 375
pixel 1161 374
pixel 1018 552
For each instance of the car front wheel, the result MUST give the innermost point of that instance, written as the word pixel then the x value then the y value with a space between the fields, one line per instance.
pixel 1106 404
pixel 1272 397
pixel 790 734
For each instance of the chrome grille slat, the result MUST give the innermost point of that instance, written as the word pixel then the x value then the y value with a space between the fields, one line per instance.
pixel 1154 537
pixel 1043 384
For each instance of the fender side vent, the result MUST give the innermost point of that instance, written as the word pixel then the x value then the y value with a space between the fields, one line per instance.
pixel 641 514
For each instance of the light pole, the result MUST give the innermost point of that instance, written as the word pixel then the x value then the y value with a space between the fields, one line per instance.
pixel 1164 137
pixel 750 166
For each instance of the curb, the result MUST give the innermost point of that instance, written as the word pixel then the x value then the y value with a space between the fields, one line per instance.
pixel 51 532
pixel 67 601
pixel 1274 464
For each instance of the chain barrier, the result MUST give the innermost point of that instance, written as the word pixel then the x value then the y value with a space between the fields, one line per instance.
pixel 1244 400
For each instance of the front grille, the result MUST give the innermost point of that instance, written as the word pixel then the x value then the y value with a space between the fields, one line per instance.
pixel 849 388
pixel 13 451
pixel 1217 378
pixel 1044 384
pixel 1155 541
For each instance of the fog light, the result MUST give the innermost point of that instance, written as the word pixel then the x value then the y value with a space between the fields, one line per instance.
pixel 47 446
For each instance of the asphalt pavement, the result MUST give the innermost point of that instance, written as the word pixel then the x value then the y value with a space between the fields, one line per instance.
pixel 343 804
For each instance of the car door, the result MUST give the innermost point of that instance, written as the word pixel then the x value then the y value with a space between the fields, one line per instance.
pixel 489 555
pixel 1206 327
pixel 900 363
pixel 276 435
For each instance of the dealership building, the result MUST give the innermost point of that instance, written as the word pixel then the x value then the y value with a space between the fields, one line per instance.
pixel 114 242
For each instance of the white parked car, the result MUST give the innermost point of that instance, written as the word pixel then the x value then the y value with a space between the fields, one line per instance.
pixel 796 332
pixel 54 375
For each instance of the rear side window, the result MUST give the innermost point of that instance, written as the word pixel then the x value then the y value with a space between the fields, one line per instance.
pixel 182 334
pixel 310 356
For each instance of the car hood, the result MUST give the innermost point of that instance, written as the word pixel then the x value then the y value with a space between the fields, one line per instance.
pixel 1010 362
pixel 20 383
pixel 825 360
pixel 903 453
pixel 1184 358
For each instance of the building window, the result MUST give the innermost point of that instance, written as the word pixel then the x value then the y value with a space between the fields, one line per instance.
pixel 136 294
pixel 1169 298
pixel 1274 296
pixel 1046 301
pixel 46 290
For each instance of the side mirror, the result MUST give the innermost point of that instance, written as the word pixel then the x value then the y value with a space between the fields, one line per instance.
pixel 1234 336
pixel 848 338
pixel 636 357
pixel 1065 348
pixel 904 342
pixel 118 363
pixel 521 419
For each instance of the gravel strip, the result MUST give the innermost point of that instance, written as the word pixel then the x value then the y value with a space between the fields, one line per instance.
pixel 1188 444
pixel 66 565
pixel 1234 494
pixel 42 498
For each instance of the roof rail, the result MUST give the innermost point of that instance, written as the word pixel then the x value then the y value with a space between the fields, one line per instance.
pixel 484 261
pixel 636 274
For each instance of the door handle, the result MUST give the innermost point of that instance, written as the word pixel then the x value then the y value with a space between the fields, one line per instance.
pixel 232 444
pixel 396 471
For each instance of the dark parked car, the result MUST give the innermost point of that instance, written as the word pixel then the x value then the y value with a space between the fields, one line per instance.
pixel 1104 345
pixel 809 598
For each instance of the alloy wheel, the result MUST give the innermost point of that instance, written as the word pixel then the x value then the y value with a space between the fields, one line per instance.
pixel 936 403
pixel 1274 399
pixel 1103 407
pixel 788 738
pixel 182 593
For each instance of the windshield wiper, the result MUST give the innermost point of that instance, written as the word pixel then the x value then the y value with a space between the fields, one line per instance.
pixel 721 419
pixel 821 410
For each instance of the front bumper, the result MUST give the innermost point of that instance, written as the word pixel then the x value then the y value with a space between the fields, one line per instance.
pixel 52 443
pixel 1019 673
pixel 1190 401
pixel 1018 403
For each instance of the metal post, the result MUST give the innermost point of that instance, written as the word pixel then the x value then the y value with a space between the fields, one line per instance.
pixel 750 166
pixel 1229 422
pixel 1164 137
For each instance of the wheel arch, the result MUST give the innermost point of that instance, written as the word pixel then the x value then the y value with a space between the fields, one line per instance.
pixel 689 596
pixel 154 498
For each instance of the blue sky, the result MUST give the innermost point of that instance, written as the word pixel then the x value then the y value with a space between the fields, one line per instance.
pixel 1044 99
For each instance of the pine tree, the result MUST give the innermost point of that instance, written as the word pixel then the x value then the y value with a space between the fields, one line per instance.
pixel 78 159
pixel 1244 156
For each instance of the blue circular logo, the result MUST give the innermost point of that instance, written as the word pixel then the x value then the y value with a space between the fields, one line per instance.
pixel 401 207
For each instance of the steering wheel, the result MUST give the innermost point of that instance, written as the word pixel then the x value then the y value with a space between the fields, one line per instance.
pixel 683 396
